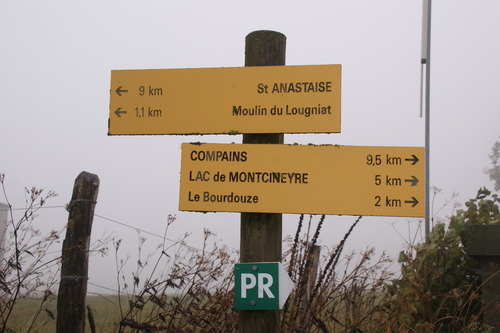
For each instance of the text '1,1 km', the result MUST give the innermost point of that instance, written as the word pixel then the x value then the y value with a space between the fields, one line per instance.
pixel 268 99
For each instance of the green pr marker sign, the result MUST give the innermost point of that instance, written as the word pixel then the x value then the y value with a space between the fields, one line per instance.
pixel 261 286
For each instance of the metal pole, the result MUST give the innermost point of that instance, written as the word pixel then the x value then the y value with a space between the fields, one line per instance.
pixel 426 59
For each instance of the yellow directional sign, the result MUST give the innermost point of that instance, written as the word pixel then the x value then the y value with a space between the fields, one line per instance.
pixel 268 99
pixel 329 179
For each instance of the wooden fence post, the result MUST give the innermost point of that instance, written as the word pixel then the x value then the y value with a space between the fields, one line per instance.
pixel 75 255
pixel 261 234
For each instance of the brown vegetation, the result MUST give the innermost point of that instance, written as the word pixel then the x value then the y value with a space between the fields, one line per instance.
pixel 180 289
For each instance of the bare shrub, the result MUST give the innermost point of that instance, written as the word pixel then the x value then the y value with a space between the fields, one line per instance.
pixel 28 270
pixel 187 290
pixel 195 291
pixel 345 295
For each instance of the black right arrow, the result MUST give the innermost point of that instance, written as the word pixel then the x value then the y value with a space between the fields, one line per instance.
pixel 413 180
pixel 119 112
pixel 414 202
pixel 414 159
pixel 119 90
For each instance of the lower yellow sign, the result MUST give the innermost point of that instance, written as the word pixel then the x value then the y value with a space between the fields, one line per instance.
pixel 327 179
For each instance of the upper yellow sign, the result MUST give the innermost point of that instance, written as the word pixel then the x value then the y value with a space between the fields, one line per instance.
pixel 268 99
pixel 337 180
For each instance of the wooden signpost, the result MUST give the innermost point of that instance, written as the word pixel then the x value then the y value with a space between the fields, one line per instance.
pixel 262 178
pixel 261 233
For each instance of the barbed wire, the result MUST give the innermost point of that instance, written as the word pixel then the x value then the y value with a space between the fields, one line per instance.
pixel 102 287
pixel 119 223
pixel 34 208
pixel 115 222
pixel 146 232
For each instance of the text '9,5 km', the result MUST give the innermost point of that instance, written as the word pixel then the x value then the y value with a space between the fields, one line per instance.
pixel 339 180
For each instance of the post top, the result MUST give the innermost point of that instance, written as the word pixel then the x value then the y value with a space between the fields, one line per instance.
pixel 265 32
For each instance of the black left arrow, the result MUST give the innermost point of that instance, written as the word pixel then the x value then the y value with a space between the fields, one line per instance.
pixel 119 90
pixel 119 112
pixel 413 201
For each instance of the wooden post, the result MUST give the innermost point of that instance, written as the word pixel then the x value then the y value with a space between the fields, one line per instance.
pixel 261 234
pixel 75 255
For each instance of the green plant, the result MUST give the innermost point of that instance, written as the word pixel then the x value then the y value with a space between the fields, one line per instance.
pixel 439 287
